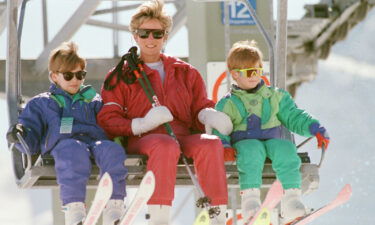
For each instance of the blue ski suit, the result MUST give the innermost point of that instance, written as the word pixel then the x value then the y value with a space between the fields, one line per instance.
pixel 65 126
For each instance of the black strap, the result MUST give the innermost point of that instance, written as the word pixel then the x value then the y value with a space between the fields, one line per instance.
pixel 127 76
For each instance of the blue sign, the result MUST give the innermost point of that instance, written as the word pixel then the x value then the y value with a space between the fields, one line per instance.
pixel 238 13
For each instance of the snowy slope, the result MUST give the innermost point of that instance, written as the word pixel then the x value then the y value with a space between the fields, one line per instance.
pixel 19 207
pixel 342 98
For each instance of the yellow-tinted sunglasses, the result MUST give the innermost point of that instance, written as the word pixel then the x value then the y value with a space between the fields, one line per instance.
pixel 250 72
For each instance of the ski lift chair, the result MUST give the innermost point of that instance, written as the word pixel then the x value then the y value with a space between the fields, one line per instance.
pixel 37 171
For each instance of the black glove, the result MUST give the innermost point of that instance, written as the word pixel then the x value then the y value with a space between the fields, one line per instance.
pixel 12 133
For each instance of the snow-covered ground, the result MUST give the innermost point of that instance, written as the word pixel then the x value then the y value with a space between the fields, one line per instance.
pixel 342 98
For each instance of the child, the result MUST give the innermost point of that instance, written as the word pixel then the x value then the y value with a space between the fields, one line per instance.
pixel 258 113
pixel 62 122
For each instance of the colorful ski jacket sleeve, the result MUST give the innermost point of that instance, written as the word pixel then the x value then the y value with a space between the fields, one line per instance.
pixel 293 118
pixel 33 120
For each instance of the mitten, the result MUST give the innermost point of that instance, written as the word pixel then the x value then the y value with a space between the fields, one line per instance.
pixel 215 119
pixel 154 118
pixel 12 133
pixel 321 135
pixel 229 154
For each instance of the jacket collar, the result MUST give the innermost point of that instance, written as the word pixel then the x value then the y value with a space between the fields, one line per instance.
pixel 85 93
pixel 260 89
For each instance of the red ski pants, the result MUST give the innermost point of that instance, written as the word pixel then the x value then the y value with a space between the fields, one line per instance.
pixel 163 153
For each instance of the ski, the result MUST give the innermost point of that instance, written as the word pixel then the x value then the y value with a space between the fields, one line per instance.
pixel 263 216
pixel 145 190
pixel 343 196
pixel 273 198
pixel 203 218
pixel 102 195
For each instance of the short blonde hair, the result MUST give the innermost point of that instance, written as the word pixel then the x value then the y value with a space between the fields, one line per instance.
pixel 148 11
pixel 244 54
pixel 65 58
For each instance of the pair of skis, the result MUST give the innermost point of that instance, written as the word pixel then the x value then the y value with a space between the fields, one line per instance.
pixel 274 195
pixel 146 189
pixel 104 192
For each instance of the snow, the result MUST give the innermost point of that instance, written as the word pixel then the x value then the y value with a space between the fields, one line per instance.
pixel 342 99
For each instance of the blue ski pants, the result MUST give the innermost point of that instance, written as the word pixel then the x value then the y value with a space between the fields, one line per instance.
pixel 252 153
pixel 73 167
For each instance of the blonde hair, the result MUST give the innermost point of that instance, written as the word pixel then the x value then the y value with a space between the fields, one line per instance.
pixel 65 58
pixel 244 54
pixel 148 11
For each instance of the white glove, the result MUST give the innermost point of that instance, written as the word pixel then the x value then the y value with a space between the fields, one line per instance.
pixel 154 118
pixel 215 119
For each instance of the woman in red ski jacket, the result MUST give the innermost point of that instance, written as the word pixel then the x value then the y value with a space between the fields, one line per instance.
pixel 182 94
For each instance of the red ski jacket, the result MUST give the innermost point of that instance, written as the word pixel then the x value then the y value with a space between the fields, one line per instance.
pixel 183 92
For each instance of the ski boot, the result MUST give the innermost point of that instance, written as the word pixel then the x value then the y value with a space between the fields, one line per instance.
pixel 113 211
pixel 158 214
pixel 250 202
pixel 220 219
pixel 292 208
pixel 75 213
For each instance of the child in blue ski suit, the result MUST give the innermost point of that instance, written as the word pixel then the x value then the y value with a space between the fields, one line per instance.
pixel 62 122
pixel 258 113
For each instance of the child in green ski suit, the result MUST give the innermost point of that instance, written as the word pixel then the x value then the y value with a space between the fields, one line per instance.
pixel 258 113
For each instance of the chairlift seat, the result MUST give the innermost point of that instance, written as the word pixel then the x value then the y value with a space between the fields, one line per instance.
pixel 42 172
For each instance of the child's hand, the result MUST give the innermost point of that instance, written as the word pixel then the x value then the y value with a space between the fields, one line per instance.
pixel 229 154
pixel 321 135
pixel 12 133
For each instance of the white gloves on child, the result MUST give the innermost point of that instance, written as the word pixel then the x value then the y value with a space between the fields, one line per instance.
pixel 154 118
pixel 215 119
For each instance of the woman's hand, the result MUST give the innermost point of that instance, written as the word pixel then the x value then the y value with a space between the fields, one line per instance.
pixel 154 118
pixel 213 119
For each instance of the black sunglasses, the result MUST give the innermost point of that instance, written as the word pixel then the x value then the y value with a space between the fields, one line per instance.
pixel 156 33
pixel 79 75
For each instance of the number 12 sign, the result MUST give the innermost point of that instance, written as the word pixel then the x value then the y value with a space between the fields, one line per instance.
pixel 238 13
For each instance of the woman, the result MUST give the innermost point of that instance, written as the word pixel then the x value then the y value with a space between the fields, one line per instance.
pixel 181 92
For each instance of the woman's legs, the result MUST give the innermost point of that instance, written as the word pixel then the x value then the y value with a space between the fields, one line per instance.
pixel 163 153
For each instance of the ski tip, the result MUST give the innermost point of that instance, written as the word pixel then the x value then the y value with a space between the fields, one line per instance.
pixel 203 218
pixel 348 187
pixel 150 174
pixel 263 218
pixel 105 180
pixel 148 181
pixel 277 184
pixel 149 178
pixel 347 191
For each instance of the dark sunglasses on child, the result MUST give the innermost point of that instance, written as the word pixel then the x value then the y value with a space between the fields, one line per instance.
pixel 145 33
pixel 79 75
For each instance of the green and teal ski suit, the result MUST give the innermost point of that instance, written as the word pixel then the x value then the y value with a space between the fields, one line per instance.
pixel 258 116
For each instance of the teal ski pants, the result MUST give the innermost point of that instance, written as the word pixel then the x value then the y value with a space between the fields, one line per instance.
pixel 252 153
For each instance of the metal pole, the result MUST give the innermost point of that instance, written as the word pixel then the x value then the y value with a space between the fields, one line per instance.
pixel 266 37
pixel 281 43
pixel 11 81
pixel 45 22
pixel 115 31
pixel 227 39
